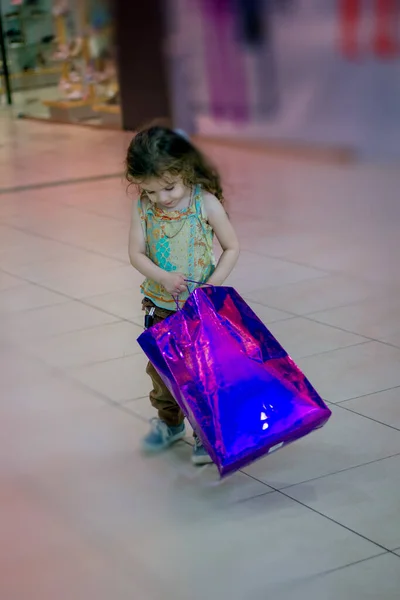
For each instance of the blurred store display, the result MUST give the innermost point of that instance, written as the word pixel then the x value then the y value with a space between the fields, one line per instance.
pixel 61 56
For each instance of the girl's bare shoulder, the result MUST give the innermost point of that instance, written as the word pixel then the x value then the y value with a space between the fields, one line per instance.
pixel 212 205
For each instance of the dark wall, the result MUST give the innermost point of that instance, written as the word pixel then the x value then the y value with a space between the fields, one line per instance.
pixel 142 67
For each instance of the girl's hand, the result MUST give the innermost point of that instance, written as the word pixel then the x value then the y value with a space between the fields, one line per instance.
pixel 174 283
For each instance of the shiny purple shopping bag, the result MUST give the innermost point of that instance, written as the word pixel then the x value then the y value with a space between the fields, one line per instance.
pixel 235 383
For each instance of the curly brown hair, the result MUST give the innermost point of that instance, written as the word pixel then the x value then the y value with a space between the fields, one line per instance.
pixel 158 151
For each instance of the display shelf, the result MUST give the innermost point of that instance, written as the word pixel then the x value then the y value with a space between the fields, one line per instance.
pixel 70 111
pixel 94 92
pixel 38 78
pixel 28 33
pixel 110 114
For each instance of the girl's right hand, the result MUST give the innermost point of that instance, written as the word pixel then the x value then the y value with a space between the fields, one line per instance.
pixel 174 283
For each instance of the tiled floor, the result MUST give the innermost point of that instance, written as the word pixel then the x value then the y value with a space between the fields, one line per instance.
pixel 83 515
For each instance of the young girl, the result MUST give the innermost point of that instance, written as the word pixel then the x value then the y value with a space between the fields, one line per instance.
pixel 180 208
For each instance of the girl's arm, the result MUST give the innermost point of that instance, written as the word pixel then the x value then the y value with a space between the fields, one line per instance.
pixel 174 283
pixel 226 236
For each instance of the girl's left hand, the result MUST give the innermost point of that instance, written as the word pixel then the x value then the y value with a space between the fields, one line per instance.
pixel 174 283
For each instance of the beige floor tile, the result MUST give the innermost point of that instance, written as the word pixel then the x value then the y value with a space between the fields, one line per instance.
pixel 352 372
pixel 32 249
pixel 304 543
pixel 52 393
pixel 17 368
pixel 119 380
pixel 301 337
pixel 77 279
pixel 88 346
pixel 377 318
pixel 87 515
pixel 255 272
pixel 44 555
pixel 365 499
pixel 27 297
pixel 383 407
pixel 315 295
pixel 375 578
pixel 267 314
pixel 8 282
pixel 52 320
pixel 126 304
pixel 95 473
pixel 348 440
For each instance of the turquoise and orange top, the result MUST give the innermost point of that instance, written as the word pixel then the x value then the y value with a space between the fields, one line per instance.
pixel 178 240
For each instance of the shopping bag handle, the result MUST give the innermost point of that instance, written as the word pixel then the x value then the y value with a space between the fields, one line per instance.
pixel 198 282
pixel 176 298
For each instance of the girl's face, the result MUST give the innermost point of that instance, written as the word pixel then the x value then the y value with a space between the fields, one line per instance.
pixel 169 192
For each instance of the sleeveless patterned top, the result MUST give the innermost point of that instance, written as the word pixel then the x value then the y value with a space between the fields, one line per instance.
pixel 178 240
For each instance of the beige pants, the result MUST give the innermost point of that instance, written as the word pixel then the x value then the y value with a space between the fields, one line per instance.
pixel 160 397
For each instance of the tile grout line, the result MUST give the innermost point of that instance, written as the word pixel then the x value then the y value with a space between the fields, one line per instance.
pixel 282 493
pixel 86 211
pixel 119 319
pixel 60 183
pixel 345 470
pixel 65 376
pixel 79 330
pixel 395 387
pixel 69 299
pixel 314 354
pixel 66 244
pixel 308 315
pixel 123 319
pixel 354 412
pixel 338 523
pixel 85 302
pixel 25 282
pixel 324 272
pixel 292 315
pixel 347 304
pixel 76 208
pixel 122 405
pixel 366 337
pixel 124 408
pixel 352 468
pixel 352 564
pixel 74 368
pixel 328 271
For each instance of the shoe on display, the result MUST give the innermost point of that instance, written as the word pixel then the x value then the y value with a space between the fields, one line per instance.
pixel 114 100
pixel 60 8
pixel 76 48
pixel 74 77
pixel 14 33
pixel 62 53
pixel 75 95
pixel 64 85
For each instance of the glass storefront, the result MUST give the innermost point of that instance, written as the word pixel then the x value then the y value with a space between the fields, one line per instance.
pixel 61 60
